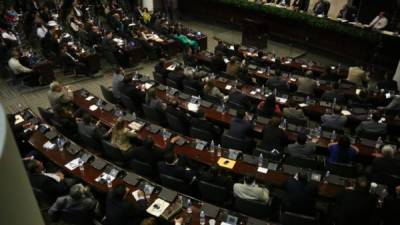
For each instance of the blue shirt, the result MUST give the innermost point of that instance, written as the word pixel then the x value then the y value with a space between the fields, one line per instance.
pixel 334 154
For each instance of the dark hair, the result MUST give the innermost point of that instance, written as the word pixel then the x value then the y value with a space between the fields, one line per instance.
pixel 302 177
pixel 31 166
pixel 269 106
pixel 275 121
pixel 148 143
pixel 169 157
pixel 119 191
pixel 376 116
pixel 240 114
pixel 337 110
pixel 86 118
pixel 249 179
pixel 335 85
pixel 343 149
pixel 174 104
pixel 302 138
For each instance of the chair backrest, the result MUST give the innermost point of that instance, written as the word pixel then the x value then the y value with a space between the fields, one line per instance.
pixel 46 115
pixel 257 209
pixel 173 183
pixel 191 91
pixel 373 136
pixel 327 131
pixel 212 99
pixel 77 217
pixel 128 103
pixel 213 193
pixel 296 124
pixel 343 169
pixel 305 162
pixel 158 77
pixel 268 154
pixel 201 134
pixel 228 141
pixel 235 105
pixel 172 83
pixel 289 218
pixel 176 124
pixel 90 142
pixel 112 152
pixel 108 95
pixel 153 115
pixel 142 168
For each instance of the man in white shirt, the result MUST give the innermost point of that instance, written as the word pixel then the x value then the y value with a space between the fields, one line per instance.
pixel 15 65
pixel 379 22
pixel 250 190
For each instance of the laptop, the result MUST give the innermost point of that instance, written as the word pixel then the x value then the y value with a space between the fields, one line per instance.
pixel 168 195
pixel 51 135
pixel 131 179
pixel 206 104
pixel 98 163
pixel 210 210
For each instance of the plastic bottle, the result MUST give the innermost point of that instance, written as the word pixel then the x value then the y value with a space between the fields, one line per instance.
pixel 260 160
pixel 379 143
pixel 333 136
pixel 308 100
pixel 212 146
pixel 202 218
pixel 189 206
pixel 219 153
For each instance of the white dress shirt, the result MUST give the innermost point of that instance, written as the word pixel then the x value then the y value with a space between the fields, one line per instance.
pixel 41 32
pixel 9 36
pixel 251 192
pixel 16 67
pixel 378 23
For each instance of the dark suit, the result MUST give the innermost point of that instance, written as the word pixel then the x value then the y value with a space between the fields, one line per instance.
pixel 220 180
pixel 147 155
pixel 185 119
pixel 124 212
pixel 330 95
pixel 206 125
pixel 176 171
pixel 240 99
pixel 274 137
pixel 178 77
pixel 240 128
pixel 391 210
pixel 299 197
pixel 371 127
pixel 387 85
pixel 47 185
pixel 384 166
pixel 195 84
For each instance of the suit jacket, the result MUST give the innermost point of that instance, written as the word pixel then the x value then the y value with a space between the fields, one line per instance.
pixel 219 180
pixel 274 137
pixel 306 85
pixel 240 128
pixel 117 83
pixel 371 127
pixel 232 69
pixel 147 155
pixel 57 98
pixel 292 112
pixel 178 78
pixel 387 85
pixel 195 84
pixel 185 119
pixel 391 211
pixel 68 204
pixel 124 212
pixel 251 192
pixel 330 95
pixel 277 82
pixel 298 150
pixel 385 165
pixel 299 197
pixel 240 99
pixel 301 4
pixel 176 171
pixel 333 121
pixel 48 185
pixel 206 125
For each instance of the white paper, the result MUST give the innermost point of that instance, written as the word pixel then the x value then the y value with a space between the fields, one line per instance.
pixel 193 107
pixel 18 119
pixel 148 85
pixel 228 87
pixel 253 92
pixel 262 170
pixel 171 67
pixel 49 145
pixel 135 126
pixel 281 100
pixel 346 112
pixel 93 107
pixel 226 60
pixel 162 206
pixel 89 98
pixel 302 105
pixel 387 95
pixel 73 164
pixel 135 194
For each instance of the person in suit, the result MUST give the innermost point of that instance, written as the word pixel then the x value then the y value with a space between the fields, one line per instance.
pixel 50 45
pixel 276 82
pixel 199 121
pixel 107 48
pixel 217 63
pixel 301 148
pixel 357 76
pixel 391 208
pixel 301 5
pixel 249 190
pixel 321 7
pixel 348 12
pixel 387 164
pixel 334 121
pixel 330 95
pixel 269 108
pixel 160 68
pixel 273 136
pixel 354 205
pixel 342 151
pixel 57 95
pixel 372 126
pixel 79 199
pixel 88 129
pixel 117 79
pixel 193 82
pixel 387 84
pixel 146 153
pixel 154 102
pixel 19 70
pixel 299 195
pixel 174 109
pixel 121 136
pixel 306 85
pixel 232 67
pixel 220 48
pixel 293 111
pixel 177 76
pixel 121 211
pixel 51 184
pixel 240 99
pixel 283 2
pixel 176 167
pixel 211 90
pixel 217 176
pixel 240 127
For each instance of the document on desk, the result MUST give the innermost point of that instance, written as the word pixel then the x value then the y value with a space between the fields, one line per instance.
pixel 18 119
pixel 226 163
pixel 89 98
pixel 262 170
pixel 93 107
pixel 228 87
pixel 346 113
pixel 171 67
pixel 193 107
pixel 72 165
pixel 158 207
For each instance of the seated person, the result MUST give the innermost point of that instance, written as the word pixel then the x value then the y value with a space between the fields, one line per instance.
pixel 240 127
pixel 306 85
pixel 357 76
pixel 301 5
pixel 19 70
pixel 58 95
pixel 220 48
pixel 52 184
pixel 187 41
pixel 249 190
pixel 372 126
pixel 193 82
pixel 233 67
pixel 217 63
pixel 301 148
pixel 299 195
pixel 177 76
pixel 215 175
pixel 89 129
pixel 330 95
pixel 276 82
pixel 211 90
pixel 387 164
pixel 394 105
pixel 269 107
pixel 334 120
pixel 387 84
pixel 175 110
pixel 348 12
pixel 342 151
pixel 240 99
pixel 175 167
pixel 121 137
pixel 160 68
pixel 120 210
pixel 199 121
pixel 146 153
pixel 79 199
pixel 283 2
pixel 293 111
pixel 391 206
pixel 379 22
pixel 273 136
pixel 321 7
pixel 154 102
pixel 117 82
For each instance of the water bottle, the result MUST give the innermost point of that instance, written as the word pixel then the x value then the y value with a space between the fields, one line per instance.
pixel 333 136
pixel 81 167
pixel 147 191
pixel 189 206
pixel 109 183
pixel 219 153
pixel 260 160
pixel 308 100
pixel 275 91
pixel 263 89
pixel 268 69
pixel 319 132
pixel 379 143
pixel 326 176
pixel 202 218
pixel 223 108
pixel 334 103
pixel 60 144
pixel 164 134
pixel 283 124
pixel 134 116
pixel 212 146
